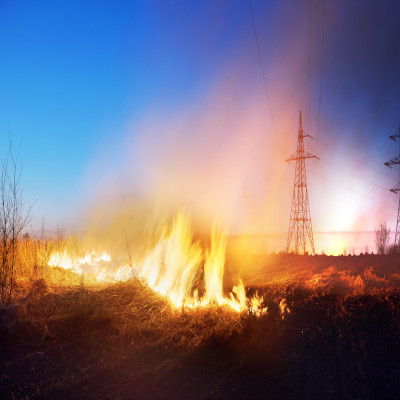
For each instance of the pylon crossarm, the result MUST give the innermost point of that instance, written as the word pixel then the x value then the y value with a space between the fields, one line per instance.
pixel 306 135
pixel 393 161
pixel 308 155
pixel 293 157
pixel 395 136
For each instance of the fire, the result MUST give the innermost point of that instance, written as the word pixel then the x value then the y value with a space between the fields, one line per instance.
pixel 76 264
pixel 284 309
pixel 177 267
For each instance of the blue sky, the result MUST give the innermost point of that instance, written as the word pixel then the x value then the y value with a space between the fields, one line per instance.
pixel 78 79
pixel 74 72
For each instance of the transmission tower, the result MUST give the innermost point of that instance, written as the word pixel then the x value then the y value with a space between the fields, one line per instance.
pixel 300 218
pixel 396 189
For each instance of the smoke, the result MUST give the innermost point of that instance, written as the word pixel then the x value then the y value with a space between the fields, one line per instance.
pixel 217 160
pixel 218 156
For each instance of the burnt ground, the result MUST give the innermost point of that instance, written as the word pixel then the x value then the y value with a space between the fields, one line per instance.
pixel 330 346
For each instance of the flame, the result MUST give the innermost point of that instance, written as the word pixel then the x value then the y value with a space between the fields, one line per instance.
pixel 174 268
pixel 177 267
pixel 284 309
pixel 76 264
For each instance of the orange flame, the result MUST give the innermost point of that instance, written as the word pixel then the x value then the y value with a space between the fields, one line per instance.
pixel 176 267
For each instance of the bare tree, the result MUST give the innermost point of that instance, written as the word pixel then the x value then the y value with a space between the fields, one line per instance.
pixel 382 233
pixel 393 249
pixel 44 248
pixel 14 217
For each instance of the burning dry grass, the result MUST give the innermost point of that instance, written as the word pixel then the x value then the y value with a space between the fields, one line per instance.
pixel 65 303
pixel 129 312
pixel 78 340
pixel 341 275
pixel 65 307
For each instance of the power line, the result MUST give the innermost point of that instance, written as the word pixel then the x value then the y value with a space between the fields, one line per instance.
pixel 265 80
pixel 320 80
pixel 352 190
pixel 309 71
pixel 353 174
pixel 355 159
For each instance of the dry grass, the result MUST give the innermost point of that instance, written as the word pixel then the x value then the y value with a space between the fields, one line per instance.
pixel 129 312
pixel 33 255
pixel 74 340
pixel 55 304
pixel 62 306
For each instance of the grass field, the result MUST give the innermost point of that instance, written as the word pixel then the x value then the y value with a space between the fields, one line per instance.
pixel 332 330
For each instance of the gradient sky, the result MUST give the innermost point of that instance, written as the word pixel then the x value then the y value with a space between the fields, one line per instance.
pixel 98 92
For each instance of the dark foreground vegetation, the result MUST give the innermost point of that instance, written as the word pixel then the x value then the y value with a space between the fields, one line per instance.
pixel 332 331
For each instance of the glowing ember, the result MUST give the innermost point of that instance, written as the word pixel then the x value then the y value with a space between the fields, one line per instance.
pixel 176 267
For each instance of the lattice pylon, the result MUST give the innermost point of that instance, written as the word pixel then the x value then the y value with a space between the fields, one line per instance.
pixel 300 218
pixel 396 189
pixel 397 236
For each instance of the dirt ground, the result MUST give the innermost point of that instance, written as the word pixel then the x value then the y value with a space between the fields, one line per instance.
pixel 338 338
